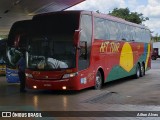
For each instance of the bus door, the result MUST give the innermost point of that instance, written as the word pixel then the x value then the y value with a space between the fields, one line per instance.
pixel 84 47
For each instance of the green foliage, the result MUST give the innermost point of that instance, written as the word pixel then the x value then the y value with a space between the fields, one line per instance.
pixel 125 13
pixel 156 39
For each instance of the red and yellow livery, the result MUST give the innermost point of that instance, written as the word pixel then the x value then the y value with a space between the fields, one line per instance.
pixel 73 50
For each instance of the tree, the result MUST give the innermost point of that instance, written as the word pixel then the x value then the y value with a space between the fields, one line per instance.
pixel 125 13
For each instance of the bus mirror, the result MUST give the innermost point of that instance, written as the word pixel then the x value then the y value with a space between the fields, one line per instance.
pixel 83 50
pixel 76 37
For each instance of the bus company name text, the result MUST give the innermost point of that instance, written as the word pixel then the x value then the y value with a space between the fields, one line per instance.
pixel 109 47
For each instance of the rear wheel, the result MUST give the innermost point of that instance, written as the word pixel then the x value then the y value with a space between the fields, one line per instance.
pixel 138 71
pixel 98 81
pixel 142 70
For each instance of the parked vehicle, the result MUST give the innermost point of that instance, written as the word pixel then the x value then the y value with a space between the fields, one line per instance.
pixel 87 50
pixel 156 51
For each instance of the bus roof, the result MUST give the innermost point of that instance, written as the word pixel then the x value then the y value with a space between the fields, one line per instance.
pixel 100 15
pixel 39 16
pixel 116 19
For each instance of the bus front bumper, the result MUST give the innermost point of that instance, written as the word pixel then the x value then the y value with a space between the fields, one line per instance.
pixel 65 84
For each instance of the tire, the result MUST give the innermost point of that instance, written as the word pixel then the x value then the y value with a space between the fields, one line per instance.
pixel 138 71
pixel 142 70
pixel 98 81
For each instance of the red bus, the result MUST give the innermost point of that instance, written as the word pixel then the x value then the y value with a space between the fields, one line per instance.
pixel 73 50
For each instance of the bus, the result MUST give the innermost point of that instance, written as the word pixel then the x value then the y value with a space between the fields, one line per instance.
pixel 13 52
pixel 2 57
pixel 15 46
pixel 74 50
pixel 11 69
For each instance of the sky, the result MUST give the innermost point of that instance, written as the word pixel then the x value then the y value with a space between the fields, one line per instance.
pixel 149 8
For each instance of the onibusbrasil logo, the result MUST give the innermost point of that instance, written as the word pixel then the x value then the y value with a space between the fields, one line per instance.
pixel 21 114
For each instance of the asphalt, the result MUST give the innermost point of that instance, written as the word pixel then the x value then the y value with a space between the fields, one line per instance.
pixel 123 99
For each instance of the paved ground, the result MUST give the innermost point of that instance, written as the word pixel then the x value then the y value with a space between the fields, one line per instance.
pixel 122 95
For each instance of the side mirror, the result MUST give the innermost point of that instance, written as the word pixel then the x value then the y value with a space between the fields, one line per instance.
pixel 83 49
pixel 76 37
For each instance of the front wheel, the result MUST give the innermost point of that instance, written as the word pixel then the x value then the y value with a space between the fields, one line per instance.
pixel 98 81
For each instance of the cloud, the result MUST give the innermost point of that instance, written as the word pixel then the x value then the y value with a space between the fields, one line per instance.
pixel 131 4
pixel 153 25
pixel 153 2
pixel 151 10
pixel 103 6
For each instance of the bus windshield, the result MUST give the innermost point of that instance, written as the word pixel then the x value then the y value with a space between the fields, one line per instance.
pixel 50 43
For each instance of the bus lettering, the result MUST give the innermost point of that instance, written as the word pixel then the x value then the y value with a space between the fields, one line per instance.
pixel 114 47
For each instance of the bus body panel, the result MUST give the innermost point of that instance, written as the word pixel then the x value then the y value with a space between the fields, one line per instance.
pixel 47 79
pixel 119 59
pixel 44 81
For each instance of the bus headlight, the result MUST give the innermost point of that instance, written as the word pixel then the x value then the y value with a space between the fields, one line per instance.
pixel 70 75
pixel 29 75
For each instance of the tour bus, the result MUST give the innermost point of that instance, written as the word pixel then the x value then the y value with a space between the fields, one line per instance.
pixel 2 57
pixel 12 57
pixel 73 50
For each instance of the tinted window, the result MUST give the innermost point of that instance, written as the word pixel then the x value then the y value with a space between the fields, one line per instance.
pixel 111 30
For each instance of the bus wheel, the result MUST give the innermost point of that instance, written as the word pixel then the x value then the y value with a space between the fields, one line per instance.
pixel 138 71
pixel 98 81
pixel 142 70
